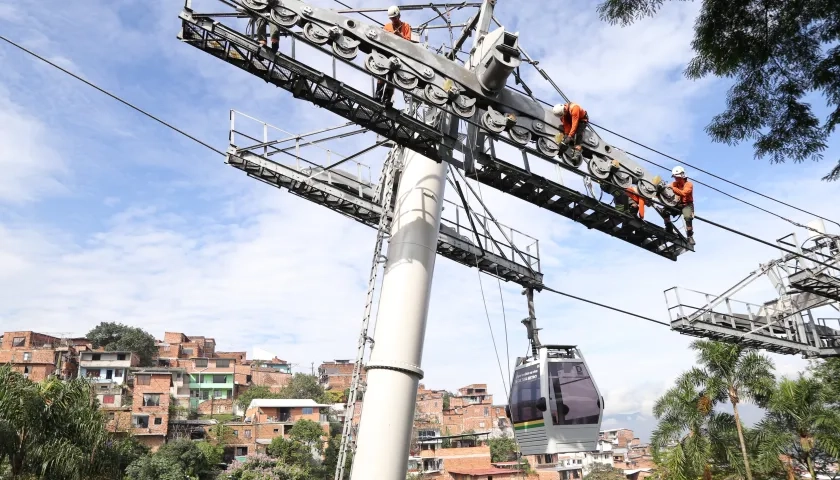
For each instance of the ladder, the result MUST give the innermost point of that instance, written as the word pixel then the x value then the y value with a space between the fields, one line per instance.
pixel 386 190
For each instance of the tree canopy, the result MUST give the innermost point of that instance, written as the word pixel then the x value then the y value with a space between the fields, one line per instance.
pixel 302 385
pixel 779 53
pixel 599 471
pixel 176 460
pixel 118 337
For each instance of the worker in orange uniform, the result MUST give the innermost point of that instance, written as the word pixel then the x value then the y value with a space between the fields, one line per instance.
pixel 684 190
pixel 575 119
pixel 385 92
pixel 629 201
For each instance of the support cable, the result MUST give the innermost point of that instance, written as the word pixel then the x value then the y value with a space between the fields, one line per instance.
pixel 615 309
pixel 545 75
pixel 113 96
pixel 492 337
pixel 360 13
pixel 504 320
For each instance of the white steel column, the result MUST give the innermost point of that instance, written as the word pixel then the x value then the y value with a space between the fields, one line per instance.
pixel 393 371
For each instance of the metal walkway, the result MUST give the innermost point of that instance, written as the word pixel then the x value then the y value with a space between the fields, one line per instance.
pixel 356 196
pixel 207 33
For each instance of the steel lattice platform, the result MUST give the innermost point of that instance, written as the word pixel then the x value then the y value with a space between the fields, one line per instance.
pixel 207 34
pixel 368 212
pixel 817 283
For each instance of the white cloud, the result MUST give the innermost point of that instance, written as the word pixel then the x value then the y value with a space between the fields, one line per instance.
pixel 210 252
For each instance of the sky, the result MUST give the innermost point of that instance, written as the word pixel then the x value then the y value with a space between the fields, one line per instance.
pixel 106 215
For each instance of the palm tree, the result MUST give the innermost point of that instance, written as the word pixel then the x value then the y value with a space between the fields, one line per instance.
pixel 690 433
pixel 729 372
pixel 799 424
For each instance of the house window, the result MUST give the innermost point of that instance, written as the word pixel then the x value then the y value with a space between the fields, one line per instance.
pixel 247 434
pixel 236 433
pixel 151 400
pixel 241 451
pixel 108 399
pixel 93 373
pixel 218 394
pixel 307 410
pixel 158 420
pixel 118 373
pixel 480 424
pixel 222 363
pixel 110 415
pixel 143 379
pixel 27 356
pixel 96 357
pixel 200 362
pixel 140 421
pixel 486 412
pixel 109 374
pixel 219 378
pixel 187 351
pixel 18 341
pixel 120 356
pixel 276 430
pixel 247 379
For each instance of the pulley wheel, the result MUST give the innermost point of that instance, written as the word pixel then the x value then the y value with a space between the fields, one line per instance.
pixel 464 107
pixel 435 95
pixel 316 33
pixel 621 179
pixel 257 5
pixel 493 121
pixel 599 168
pixel 377 64
pixel 570 159
pixel 646 189
pixel 668 197
pixel 406 80
pixel 345 47
pixel 520 135
pixel 284 17
pixel 547 147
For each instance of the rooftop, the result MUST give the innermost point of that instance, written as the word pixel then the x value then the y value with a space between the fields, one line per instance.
pixel 284 403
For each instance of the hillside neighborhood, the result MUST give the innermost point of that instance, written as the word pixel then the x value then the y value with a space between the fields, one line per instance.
pixel 190 390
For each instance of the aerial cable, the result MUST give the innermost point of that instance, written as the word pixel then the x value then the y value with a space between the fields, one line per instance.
pixel 490 326
pixel 542 72
pixel 615 309
pixel 504 319
pixel 114 96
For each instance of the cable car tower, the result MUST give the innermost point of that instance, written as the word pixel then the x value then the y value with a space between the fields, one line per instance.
pixel 458 117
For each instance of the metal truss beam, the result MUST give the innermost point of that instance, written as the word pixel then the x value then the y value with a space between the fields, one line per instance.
pixel 368 212
pixel 306 83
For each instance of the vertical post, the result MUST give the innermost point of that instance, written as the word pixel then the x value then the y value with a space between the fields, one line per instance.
pixel 394 369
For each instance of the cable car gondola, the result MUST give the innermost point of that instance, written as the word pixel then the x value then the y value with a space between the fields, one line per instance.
pixel 555 405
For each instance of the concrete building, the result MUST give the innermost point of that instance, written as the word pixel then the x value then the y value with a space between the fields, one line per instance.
pixel 38 356
pixel 472 410
pixel 337 375
pixel 108 373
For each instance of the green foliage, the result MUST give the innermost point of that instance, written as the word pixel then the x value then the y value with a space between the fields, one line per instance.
pixel 446 442
pixel 446 397
pixel 304 386
pixel 308 433
pixel 213 452
pixel 336 396
pixel 502 449
pixel 290 452
pixel 261 467
pixel 118 337
pixel 53 430
pixel 778 52
pixel 177 459
pixel 801 424
pixel 828 373
pixel 256 391
pixel 599 471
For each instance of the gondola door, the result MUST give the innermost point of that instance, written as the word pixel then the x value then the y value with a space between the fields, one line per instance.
pixel 574 407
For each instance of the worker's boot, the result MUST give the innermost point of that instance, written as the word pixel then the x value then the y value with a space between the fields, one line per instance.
pixel 691 239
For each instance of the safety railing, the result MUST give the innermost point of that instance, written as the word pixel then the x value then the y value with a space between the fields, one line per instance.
pixel 490 236
pixel 693 306
pixel 295 150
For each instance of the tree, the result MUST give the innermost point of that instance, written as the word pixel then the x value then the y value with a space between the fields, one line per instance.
pixel 255 391
pixel 502 449
pixel 778 52
pixel 800 424
pixel 304 386
pixel 690 434
pixel 176 459
pixel 213 452
pixel 308 433
pixel 54 430
pixel 118 337
pixel 732 373
pixel 600 471
pixel 261 467
pixel 827 372
pixel 290 452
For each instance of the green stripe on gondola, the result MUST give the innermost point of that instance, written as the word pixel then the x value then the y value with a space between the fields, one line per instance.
pixel 527 425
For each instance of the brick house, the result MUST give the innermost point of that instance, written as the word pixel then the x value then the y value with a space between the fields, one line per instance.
pixel 472 410
pixel 150 406
pixel 337 375
pixel 108 373
pixel 38 356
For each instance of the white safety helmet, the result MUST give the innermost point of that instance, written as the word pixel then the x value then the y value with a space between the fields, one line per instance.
pixel 393 11
pixel 559 109
pixel 678 172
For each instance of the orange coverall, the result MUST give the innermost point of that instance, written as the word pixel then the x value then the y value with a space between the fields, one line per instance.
pixel 385 92
pixel 574 117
